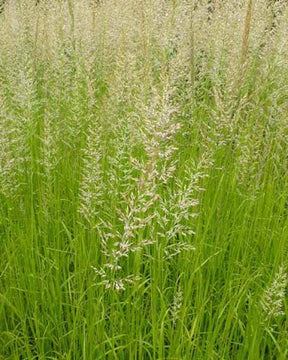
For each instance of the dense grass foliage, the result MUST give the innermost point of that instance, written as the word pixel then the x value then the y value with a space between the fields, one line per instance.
pixel 144 179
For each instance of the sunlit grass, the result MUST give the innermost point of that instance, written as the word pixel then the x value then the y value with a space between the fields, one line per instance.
pixel 144 180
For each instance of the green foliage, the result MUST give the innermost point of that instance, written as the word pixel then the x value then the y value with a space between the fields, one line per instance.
pixel 144 185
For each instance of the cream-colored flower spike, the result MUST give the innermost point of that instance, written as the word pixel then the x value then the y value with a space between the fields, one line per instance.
pixel 273 298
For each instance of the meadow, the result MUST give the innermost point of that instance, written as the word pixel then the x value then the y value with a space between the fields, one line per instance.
pixel 144 180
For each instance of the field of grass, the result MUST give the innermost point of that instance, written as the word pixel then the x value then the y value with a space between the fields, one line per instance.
pixel 144 180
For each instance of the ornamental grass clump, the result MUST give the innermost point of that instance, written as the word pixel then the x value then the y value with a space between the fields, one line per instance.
pixel 143 179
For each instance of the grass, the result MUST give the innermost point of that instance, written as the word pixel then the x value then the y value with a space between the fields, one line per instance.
pixel 144 180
